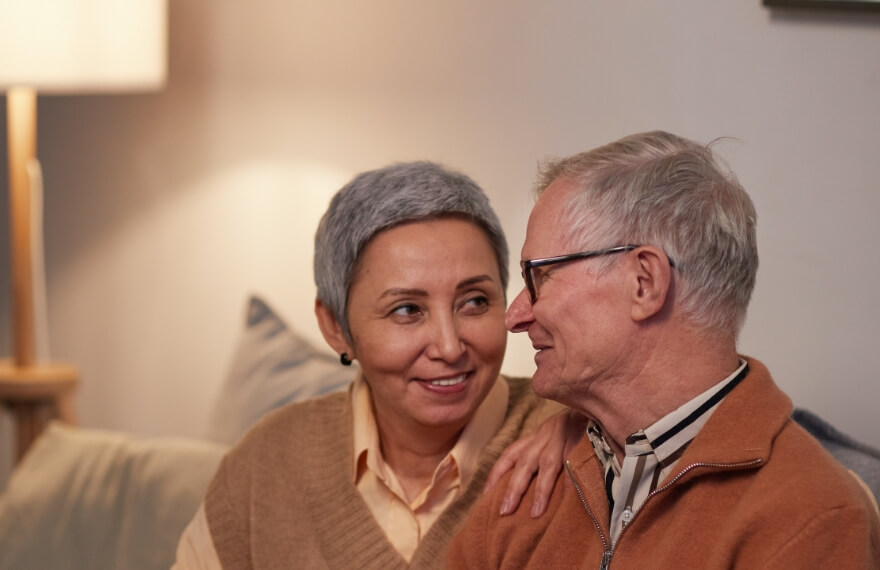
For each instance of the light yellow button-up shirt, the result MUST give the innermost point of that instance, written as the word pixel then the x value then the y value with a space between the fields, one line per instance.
pixel 406 522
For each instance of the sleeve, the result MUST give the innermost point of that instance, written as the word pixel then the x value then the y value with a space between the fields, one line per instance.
pixel 845 537
pixel 469 548
pixel 195 550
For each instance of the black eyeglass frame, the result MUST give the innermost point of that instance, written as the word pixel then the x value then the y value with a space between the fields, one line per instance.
pixel 528 264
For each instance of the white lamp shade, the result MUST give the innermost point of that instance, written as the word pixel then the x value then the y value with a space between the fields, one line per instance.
pixel 83 46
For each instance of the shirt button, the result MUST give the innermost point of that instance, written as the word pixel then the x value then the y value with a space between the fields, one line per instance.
pixel 627 515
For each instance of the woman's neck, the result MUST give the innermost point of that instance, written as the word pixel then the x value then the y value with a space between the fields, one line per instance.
pixel 414 454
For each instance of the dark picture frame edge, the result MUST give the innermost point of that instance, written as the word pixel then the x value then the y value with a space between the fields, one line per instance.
pixel 870 5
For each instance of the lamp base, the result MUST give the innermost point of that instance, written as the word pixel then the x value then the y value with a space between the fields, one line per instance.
pixel 36 395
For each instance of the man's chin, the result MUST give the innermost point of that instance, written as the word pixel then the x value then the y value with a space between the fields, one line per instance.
pixel 542 384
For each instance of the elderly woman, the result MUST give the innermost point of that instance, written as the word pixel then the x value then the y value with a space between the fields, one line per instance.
pixel 411 269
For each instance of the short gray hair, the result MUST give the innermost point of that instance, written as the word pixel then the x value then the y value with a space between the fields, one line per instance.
pixel 380 199
pixel 661 189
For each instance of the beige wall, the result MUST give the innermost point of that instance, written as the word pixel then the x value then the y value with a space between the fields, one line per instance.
pixel 166 210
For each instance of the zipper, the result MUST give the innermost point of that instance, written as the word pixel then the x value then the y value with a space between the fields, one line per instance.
pixel 606 554
pixel 609 552
pixel 682 473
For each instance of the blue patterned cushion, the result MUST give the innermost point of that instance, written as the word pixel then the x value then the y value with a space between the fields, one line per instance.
pixel 272 366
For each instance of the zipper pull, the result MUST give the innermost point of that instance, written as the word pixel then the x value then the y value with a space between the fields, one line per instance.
pixel 606 559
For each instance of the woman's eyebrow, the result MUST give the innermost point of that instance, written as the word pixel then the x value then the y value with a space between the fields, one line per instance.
pixel 412 292
pixel 403 291
pixel 470 281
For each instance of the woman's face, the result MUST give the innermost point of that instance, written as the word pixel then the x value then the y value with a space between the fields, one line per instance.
pixel 426 313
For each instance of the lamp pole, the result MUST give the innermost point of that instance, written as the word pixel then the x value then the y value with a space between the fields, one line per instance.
pixel 35 392
pixel 21 106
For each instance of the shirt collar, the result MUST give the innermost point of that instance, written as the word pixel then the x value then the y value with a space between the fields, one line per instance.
pixel 669 435
pixel 464 455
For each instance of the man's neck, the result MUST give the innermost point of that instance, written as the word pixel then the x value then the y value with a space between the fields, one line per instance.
pixel 671 372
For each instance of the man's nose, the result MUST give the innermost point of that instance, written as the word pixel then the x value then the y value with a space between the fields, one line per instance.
pixel 519 314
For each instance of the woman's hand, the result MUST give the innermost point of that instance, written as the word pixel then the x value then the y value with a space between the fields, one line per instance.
pixel 538 455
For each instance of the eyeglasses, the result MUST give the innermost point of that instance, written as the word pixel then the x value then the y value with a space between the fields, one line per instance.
pixel 528 265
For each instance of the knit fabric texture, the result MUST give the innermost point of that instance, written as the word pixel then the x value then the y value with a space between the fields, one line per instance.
pixel 752 490
pixel 285 497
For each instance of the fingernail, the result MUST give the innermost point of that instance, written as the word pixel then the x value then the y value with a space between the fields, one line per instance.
pixel 537 509
pixel 505 507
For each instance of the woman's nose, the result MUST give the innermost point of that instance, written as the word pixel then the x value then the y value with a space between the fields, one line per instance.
pixel 519 314
pixel 446 343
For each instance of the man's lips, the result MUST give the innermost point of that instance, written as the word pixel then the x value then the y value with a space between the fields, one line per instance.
pixel 540 349
pixel 538 345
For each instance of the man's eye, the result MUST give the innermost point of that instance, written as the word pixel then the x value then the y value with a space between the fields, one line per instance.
pixel 539 276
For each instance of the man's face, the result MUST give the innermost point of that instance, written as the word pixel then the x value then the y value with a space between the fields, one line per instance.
pixel 580 322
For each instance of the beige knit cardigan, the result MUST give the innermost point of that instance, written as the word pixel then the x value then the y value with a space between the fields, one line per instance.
pixel 284 497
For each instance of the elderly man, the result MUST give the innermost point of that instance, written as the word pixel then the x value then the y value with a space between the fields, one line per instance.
pixel 639 262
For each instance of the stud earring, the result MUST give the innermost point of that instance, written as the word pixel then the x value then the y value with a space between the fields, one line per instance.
pixel 344 359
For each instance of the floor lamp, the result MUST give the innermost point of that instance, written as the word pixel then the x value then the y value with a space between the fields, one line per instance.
pixel 57 47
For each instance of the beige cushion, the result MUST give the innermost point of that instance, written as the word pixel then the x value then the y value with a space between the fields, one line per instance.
pixel 92 499
pixel 272 366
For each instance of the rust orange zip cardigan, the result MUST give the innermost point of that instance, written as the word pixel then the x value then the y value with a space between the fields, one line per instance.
pixel 753 490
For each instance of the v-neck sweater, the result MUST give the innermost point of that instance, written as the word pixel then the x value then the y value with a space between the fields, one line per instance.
pixel 284 496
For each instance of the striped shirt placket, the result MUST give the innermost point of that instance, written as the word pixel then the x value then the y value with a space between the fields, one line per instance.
pixel 652 453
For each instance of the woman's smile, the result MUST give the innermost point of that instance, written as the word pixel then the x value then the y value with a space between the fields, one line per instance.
pixel 427 322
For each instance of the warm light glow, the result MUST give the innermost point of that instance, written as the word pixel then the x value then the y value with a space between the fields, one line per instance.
pixel 76 46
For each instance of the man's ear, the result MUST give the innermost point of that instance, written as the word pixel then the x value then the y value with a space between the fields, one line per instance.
pixel 331 330
pixel 653 282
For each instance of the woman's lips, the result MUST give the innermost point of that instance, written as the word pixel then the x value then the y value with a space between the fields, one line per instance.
pixel 448 384
pixel 448 381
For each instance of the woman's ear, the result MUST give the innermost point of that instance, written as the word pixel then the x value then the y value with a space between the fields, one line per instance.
pixel 331 330
pixel 653 280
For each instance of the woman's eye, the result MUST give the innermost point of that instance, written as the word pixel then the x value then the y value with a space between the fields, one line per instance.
pixel 406 310
pixel 479 302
